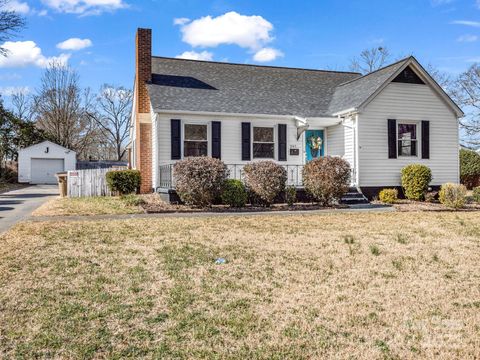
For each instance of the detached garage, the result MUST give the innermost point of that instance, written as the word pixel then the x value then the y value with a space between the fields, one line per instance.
pixel 38 164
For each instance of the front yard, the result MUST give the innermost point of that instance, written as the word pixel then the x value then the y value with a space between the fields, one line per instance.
pixel 358 285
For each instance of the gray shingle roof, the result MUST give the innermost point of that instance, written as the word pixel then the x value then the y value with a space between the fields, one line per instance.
pixel 188 85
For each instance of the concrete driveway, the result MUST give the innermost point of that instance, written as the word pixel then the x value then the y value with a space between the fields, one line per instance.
pixel 18 204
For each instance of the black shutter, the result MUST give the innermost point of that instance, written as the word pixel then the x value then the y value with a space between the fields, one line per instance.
pixel 176 139
pixel 392 138
pixel 216 139
pixel 282 142
pixel 425 139
pixel 246 156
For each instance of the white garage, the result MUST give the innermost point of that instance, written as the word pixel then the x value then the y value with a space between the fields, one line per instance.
pixel 38 164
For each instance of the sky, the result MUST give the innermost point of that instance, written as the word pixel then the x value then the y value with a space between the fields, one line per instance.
pixel 96 37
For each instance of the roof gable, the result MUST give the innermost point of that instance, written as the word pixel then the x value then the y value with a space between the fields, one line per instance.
pixel 46 142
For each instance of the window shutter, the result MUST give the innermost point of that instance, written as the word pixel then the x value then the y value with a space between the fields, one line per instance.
pixel 392 138
pixel 176 139
pixel 246 141
pixel 282 142
pixel 216 139
pixel 425 139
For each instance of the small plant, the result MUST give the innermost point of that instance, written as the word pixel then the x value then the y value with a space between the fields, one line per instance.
pixel 453 195
pixel 265 179
pixel 431 196
pixel 132 200
pixel 476 194
pixel 234 193
pixel 291 195
pixel 349 239
pixel 123 181
pixel 388 196
pixel 401 239
pixel 375 250
pixel 415 180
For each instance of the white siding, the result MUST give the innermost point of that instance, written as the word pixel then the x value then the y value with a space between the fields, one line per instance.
pixel 407 102
pixel 335 136
pixel 349 142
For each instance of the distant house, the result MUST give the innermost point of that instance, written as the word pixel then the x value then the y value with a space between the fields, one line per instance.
pixel 239 113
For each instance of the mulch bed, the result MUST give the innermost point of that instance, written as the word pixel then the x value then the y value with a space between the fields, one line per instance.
pixel 408 205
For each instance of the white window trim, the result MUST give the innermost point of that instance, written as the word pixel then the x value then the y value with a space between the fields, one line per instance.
pixel 274 127
pixel 205 123
pixel 417 140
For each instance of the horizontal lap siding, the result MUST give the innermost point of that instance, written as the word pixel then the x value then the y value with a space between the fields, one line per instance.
pixel 407 102
pixel 349 142
pixel 336 140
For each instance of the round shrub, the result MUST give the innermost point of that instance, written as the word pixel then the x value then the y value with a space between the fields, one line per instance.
pixel 388 196
pixel 327 179
pixel 476 194
pixel 415 180
pixel 265 179
pixel 469 168
pixel 123 181
pixel 234 193
pixel 291 195
pixel 199 180
pixel 453 195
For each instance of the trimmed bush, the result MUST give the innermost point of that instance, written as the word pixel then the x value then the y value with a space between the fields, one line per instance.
pixel 291 195
pixel 476 194
pixel 469 168
pixel 388 196
pixel 199 180
pixel 124 182
pixel 265 179
pixel 453 195
pixel 234 193
pixel 415 180
pixel 327 179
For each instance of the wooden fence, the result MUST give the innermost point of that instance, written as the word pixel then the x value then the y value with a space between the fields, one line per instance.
pixel 85 183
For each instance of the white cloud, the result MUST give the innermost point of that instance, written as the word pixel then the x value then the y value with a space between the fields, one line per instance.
pixel 12 90
pixel 251 32
pixel 85 7
pixel 27 53
pixel 180 21
pixel 267 54
pixel 467 23
pixel 17 6
pixel 467 38
pixel 74 44
pixel 193 55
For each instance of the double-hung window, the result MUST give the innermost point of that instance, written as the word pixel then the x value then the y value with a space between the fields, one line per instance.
pixel 263 142
pixel 407 139
pixel 195 142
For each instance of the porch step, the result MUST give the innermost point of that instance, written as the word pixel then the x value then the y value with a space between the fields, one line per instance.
pixel 354 197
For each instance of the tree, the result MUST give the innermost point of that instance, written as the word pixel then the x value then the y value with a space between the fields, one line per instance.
pixel 112 116
pixel 10 24
pixel 370 60
pixel 22 106
pixel 61 108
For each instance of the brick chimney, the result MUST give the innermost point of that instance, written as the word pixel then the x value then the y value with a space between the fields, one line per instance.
pixel 143 123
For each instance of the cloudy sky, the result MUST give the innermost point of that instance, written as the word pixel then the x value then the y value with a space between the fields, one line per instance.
pixel 96 37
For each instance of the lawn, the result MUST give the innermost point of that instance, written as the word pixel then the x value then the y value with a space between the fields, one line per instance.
pixel 356 285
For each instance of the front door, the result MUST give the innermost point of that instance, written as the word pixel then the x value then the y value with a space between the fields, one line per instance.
pixel 314 144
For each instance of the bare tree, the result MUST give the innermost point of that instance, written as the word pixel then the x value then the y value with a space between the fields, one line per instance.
pixel 10 24
pixel 61 108
pixel 112 116
pixel 22 106
pixel 370 60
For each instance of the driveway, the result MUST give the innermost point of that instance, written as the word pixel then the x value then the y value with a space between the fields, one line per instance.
pixel 17 205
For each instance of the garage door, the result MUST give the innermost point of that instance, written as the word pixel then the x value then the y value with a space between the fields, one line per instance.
pixel 43 170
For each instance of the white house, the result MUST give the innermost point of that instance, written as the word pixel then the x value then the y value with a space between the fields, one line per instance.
pixel 38 164
pixel 379 122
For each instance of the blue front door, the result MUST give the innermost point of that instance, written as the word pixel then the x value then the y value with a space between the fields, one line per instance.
pixel 314 144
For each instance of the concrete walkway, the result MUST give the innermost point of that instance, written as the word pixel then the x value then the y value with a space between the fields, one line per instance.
pixel 17 205
pixel 352 209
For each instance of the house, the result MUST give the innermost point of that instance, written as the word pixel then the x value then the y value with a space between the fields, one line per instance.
pixel 379 122
pixel 38 164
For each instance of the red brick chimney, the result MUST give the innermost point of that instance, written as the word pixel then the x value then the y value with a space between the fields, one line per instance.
pixel 143 123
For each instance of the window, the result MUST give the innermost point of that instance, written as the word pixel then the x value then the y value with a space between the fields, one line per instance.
pixel 195 141
pixel 263 142
pixel 407 140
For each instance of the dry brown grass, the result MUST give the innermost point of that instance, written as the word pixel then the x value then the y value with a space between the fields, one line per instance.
pixel 364 285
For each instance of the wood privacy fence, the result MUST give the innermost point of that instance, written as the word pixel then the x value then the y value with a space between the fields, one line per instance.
pixel 85 183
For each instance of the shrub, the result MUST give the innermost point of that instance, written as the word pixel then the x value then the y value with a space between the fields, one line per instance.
pixel 265 179
pixel 415 180
pixel 453 195
pixel 388 196
pixel 469 168
pixel 431 196
pixel 234 193
pixel 123 181
pixel 326 179
pixel 199 180
pixel 476 194
pixel 291 195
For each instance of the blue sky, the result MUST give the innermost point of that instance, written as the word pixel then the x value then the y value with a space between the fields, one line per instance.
pixel 311 34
